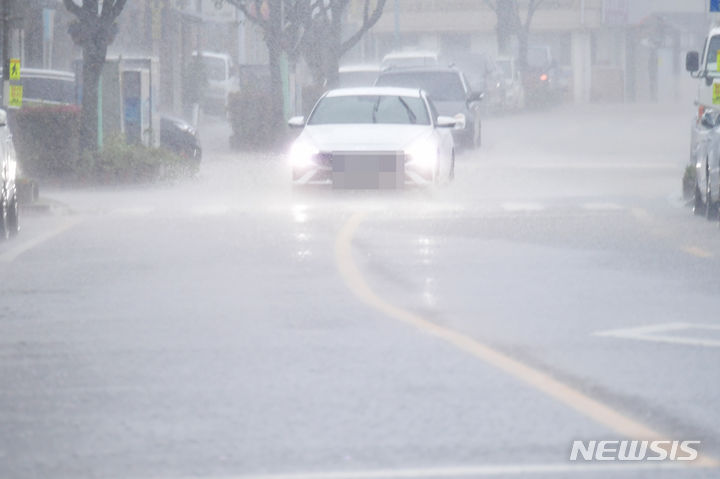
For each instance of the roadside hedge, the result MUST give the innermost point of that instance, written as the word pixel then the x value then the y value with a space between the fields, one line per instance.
pixel 119 162
pixel 46 140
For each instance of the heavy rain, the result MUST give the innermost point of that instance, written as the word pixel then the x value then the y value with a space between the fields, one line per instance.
pixel 360 239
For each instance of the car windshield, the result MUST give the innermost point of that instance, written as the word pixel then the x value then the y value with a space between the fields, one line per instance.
pixel 50 90
pixel 215 68
pixel 440 86
pixel 368 109
pixel 712 54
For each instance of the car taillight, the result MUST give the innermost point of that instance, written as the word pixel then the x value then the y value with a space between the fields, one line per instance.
pixel 543 77
pixel 701 112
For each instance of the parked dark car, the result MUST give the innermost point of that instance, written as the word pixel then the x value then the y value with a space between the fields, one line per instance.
pixel 181 138
pixel 483 75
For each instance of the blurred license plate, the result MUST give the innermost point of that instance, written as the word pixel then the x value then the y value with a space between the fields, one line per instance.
pixel 368 170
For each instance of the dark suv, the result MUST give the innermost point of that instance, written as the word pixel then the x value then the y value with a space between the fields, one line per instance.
pixel 449 91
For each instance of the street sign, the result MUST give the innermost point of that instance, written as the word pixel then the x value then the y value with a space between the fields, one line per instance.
pixel 14 68
pixel 715 5
pixel 16 96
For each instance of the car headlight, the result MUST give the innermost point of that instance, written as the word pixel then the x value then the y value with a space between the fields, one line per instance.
pixel 302 155
pixel 423 153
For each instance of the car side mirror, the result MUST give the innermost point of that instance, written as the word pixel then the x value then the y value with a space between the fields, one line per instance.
pixel 692 62
pixel 446 122
pixel 460 121
pixel 475 97
pixel 296 122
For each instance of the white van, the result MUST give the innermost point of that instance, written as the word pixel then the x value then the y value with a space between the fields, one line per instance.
pixel 705 130
pixel 410 59
pixel 221 80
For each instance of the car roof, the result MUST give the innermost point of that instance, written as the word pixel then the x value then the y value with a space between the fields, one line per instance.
pixel 207 54
pixel 378 91
pixel 410 54
pixel 424 69
pixel 360 68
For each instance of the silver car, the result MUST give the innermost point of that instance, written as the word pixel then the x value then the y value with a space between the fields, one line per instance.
pixel 9 210
pixel 707 165
pixel 373 138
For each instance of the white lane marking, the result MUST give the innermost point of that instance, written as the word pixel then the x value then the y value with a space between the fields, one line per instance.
pixel 590 166
pixel 211 210
pixel 11 254
pixel 515 207
pixel 136 211
pixel 602 207
pixel 468 471
pixel 537 379
pixel 655 333
pixel 698 252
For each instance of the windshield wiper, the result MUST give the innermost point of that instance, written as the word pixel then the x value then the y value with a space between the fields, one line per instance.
pixel 411 115
pixel 375 109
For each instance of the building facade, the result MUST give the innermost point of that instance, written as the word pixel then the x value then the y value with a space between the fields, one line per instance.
pixel 614 50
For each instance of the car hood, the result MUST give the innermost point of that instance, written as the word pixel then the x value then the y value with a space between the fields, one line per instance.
pixel 363 137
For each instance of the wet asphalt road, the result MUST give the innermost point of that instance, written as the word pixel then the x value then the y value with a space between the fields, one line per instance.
pixel 232 327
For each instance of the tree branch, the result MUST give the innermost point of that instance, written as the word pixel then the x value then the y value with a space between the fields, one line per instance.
pixel 368 23
pixel 73 8
pixel 532 8
pixel 257 19
pixel 112 10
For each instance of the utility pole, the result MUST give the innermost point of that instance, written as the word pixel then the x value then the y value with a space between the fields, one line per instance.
pixel 6 52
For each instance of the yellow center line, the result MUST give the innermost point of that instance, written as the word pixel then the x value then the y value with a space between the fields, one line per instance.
pixel 698 252
pixel 582 403
pixel 643 216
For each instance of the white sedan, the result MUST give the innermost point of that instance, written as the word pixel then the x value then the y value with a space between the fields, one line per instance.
pixel 374 138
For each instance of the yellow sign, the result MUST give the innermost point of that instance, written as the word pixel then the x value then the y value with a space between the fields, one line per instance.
pixel 14 68
pixel 716 93
pixel 16 96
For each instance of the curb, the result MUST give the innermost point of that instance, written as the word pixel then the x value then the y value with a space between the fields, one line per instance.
pixel 45 206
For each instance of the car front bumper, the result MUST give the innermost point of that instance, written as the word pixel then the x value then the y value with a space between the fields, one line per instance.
pixel 364 171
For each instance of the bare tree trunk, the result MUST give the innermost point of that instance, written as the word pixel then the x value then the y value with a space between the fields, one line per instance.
pixel 275 50
pixel 506 25
pixel 333 53
pixel 93 61
pixel 523 36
